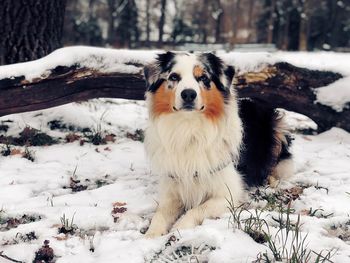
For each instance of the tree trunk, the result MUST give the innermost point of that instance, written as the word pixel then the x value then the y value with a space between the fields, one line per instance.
pixel 251 21
pixel 271 22
pixel 335 25
pixel 161 22
pixel 148 22
pixel 235 21
pixel 203 26
pixel 285 39
pixel 281 85
pixel 111 18
pixel 30 29
pixel 218 20
pixel 303 31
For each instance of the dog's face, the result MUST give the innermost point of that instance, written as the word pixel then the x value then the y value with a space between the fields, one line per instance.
pixel 184 82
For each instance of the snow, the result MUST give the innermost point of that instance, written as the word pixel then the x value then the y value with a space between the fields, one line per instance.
pixel 40 188
pixel 104 59
pixel 335 95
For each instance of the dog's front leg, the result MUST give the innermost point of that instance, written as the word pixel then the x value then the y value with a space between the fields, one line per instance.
pixel 168 211
pixel 211 208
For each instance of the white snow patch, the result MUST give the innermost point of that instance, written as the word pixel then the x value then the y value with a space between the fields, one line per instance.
pixel 103 59
pixel 249 61
pixel 335 95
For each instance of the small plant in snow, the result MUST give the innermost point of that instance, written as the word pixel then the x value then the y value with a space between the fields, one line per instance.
pixel 288 244
pixel 74 182
pixel 2 216
pixel 26 237
pixel 67 226
pixel 253 225
pixel 318 212
pixel 32 137
pixel 6 150
pixel 96 136
pixel 138 135
pixel 186 253
pixel 28 154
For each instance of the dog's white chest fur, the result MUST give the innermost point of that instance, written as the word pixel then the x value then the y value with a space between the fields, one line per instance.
pixel 185 147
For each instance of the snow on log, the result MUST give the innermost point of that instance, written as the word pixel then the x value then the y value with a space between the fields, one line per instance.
pixel 82 73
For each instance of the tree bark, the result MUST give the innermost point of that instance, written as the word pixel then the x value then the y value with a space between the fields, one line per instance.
pixel 111 17
pixel 292 88
pixel 236 11
pixel 281 85
pixel 303 29
pixel 218 20
pixel 148 22
pixel 285 38
pixel 161 22
pixel 251 20
pixel 30 29
pixel 271 22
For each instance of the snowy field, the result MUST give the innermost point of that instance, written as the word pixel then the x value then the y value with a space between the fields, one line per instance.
pixel 91 170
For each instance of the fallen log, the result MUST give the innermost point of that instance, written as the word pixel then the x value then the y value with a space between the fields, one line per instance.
pixel 281 85
pixel 293 88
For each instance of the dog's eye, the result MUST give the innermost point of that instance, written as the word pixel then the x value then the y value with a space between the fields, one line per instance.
pixel 174 77
pixel 204 79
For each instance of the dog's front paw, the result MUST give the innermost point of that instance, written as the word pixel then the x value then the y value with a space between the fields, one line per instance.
pixel 154 233
pixel 185 222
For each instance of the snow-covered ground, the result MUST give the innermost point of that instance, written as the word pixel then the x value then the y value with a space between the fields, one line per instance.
pixel 118 172
pixel 110 193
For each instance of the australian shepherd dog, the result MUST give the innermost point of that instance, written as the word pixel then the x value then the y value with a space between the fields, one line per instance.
pixel 205 144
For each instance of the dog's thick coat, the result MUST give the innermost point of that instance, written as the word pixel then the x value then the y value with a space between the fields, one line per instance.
pixel 199 140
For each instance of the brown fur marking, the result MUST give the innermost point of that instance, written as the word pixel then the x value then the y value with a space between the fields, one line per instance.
pixel 198 71
pixel 214 103
pixel 163 100
pixel 280 139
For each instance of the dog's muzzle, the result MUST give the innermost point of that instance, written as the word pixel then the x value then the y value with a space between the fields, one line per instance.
pixel 188 97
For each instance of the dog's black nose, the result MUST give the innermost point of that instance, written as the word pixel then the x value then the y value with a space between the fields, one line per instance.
pixel 188 95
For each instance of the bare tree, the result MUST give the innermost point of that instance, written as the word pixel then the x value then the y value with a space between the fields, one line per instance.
pixel 111 17
pixel 271 22
pixel 161 22
pixel 250 19
pixel 236 12
pixel 148 21
pixel 217 15
pixel 304 25
pixel 30 29
pixel 285 27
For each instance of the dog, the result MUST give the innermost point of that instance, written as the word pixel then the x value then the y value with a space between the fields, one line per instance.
pixel 206 145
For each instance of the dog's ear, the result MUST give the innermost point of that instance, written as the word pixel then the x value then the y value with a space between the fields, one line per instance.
pixel 219 69
pixel 215 63
pixel 229 72
pixel 151 72
pixel 154 70
pixel 166 61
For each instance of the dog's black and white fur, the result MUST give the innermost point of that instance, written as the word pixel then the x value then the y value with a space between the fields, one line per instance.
pixel 205 143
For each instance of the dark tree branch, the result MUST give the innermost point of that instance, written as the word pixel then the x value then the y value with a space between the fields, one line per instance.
pixel 281 85
pixel 292 88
